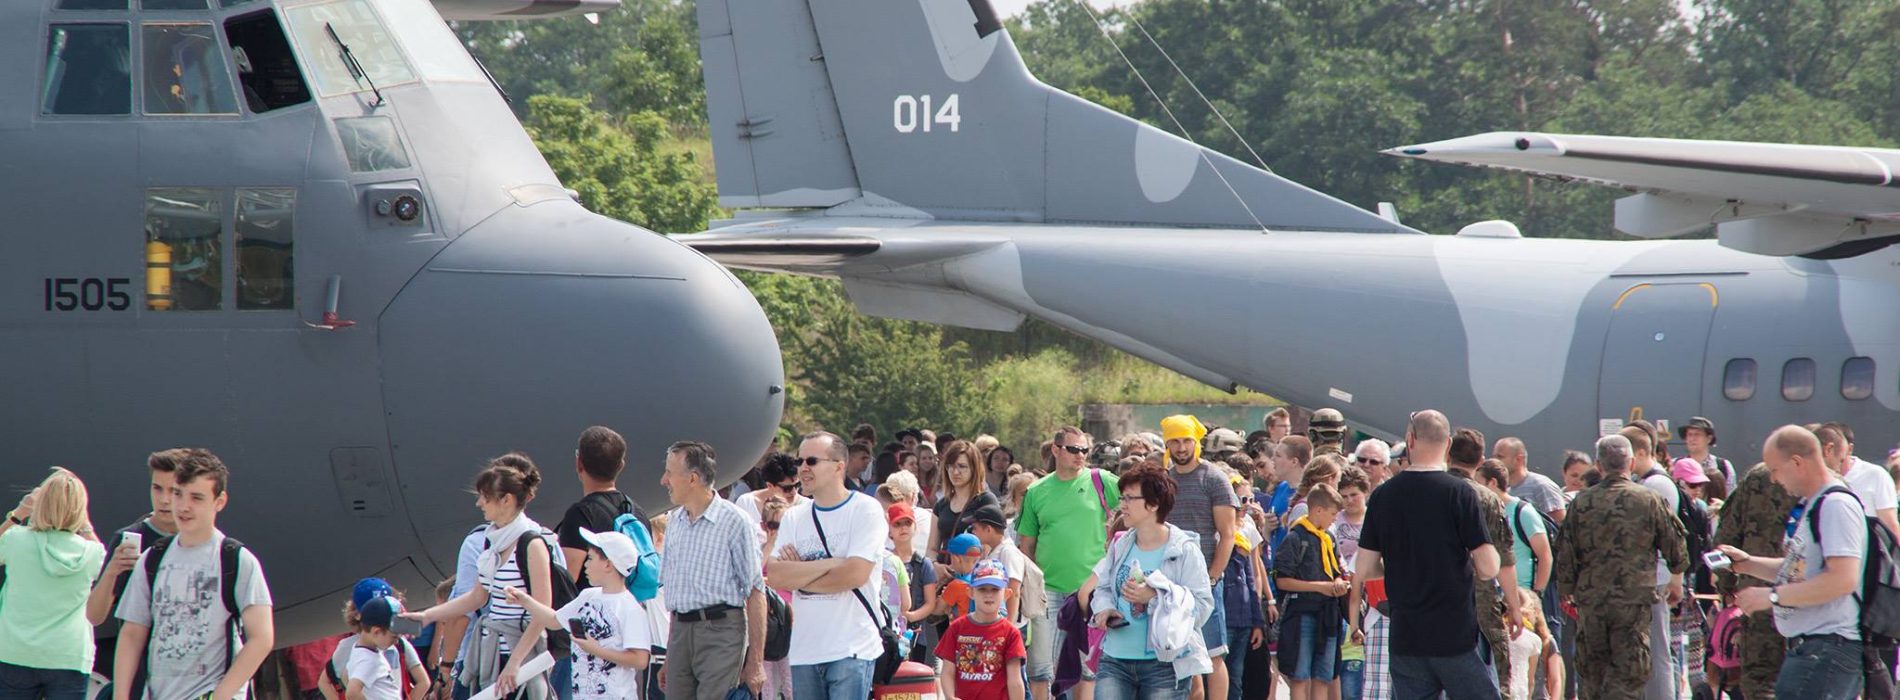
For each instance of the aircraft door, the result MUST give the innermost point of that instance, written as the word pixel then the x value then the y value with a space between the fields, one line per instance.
pixel 1653 353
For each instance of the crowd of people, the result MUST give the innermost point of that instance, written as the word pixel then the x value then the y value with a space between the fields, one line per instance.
pixel 1186 562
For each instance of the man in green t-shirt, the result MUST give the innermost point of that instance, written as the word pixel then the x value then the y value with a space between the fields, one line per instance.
pixel 1063 528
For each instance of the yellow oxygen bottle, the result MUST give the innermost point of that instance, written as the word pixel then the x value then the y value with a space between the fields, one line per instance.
pixel 158 276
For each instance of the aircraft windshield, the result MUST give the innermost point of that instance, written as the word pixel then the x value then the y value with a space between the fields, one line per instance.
pixel 371 60
pixel 439 56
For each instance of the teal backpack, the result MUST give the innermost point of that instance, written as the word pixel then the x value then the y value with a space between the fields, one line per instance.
pixel 644 579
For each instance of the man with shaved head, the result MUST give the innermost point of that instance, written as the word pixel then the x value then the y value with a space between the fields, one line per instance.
pixel 1813 597
pixel 1529 486
pixel 1425 535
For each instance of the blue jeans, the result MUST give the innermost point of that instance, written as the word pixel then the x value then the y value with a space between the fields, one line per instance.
pixel 1214 631
pixel 1352 679
pixel 1820 668
pixel 562 678
pixel 844 678
pixel 1305 653
pixel 1461 677
pixel 1242 638
pixel 1137 679
pixel 23 683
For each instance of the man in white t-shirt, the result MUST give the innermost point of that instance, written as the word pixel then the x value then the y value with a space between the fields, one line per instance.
pixel 1813 598
pixel 1867 480
pixel 179 607
pixel 1643 464
pixel 829 551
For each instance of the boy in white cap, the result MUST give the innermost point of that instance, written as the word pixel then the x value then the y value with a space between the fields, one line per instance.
pixel 611 634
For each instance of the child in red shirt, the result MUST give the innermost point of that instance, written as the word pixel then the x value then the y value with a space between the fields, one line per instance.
pixel 986 650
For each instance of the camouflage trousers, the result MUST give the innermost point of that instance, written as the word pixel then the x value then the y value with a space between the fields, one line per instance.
pixel 1490 605
pixel 1762 649
pixel 1613 650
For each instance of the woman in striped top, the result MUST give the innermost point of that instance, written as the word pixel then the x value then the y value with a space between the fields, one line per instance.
pixel 503 491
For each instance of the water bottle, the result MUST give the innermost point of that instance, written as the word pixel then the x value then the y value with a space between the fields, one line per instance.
pixel 910 638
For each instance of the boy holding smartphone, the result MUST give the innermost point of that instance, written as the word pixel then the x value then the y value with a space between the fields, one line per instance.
pixel 371 676
pixel 611 635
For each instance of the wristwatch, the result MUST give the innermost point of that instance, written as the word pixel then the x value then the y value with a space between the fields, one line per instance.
pixel 1774 596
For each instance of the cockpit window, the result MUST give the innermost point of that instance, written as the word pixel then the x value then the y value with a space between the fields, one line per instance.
pixel 88 69
pixel 91 5
pixel 174 4
pixel 185 72
pixel 371 144
pixel 184 234
pixel 227 4
pixel 432 45
pixel 372 60
pixel 267 72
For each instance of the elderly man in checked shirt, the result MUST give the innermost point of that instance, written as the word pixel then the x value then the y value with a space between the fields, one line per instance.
pixel 714 583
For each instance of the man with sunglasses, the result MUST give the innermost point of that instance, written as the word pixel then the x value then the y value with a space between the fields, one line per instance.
pixel 828 556
pixel 1061 527
pixel 1373 457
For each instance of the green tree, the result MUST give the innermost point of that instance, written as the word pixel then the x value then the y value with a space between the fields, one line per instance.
pixel 641 57
pixel 618 167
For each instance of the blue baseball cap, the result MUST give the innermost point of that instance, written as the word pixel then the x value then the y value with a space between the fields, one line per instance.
pixel 964 545
pixel 989 574
pixel 367 589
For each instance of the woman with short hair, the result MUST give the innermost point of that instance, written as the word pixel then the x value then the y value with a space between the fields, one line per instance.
pixel 51 556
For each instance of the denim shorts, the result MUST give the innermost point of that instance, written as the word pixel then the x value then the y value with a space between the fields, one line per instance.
pixel 1305 654
pixel 1214 631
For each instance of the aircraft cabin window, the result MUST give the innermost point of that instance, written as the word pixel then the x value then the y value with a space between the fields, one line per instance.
pixel 371 144
pixel 1797 379
pixel 1857 378
pixel 267 71
pixel 184 249
pixel 345 48
pixel 88 69
pixel 264 272
pixel 185 72
pixel 91 5
pixel 1738 379
pixel 174 5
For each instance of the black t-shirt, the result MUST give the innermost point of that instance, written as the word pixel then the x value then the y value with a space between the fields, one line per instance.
pixel 596 512
pixel 1424 525
pixel 948 524
pixel 107 633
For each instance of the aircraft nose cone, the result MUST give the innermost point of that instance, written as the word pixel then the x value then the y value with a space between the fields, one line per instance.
pixel 547 319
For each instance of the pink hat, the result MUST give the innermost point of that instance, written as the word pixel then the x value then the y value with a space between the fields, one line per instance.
pixel 1688 471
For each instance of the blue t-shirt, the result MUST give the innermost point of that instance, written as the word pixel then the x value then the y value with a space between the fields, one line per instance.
pixel 1131 642
pixel 1529 524
pixel 1279 503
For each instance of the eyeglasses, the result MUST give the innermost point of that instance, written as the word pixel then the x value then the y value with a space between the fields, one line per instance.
pixel 770 525
pixel 1074 449
pixel 815 461
pixel 788 486
pixel 1369 461
pixel 1127 497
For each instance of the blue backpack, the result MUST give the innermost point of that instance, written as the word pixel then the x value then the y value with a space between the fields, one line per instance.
pixel 644 579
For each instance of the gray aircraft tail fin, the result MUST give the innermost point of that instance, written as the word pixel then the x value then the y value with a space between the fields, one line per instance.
pixel 924 108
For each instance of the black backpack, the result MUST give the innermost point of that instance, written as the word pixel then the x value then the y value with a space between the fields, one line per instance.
pixel 1695 523
pixel 228 563
pixel 564 591
pixel 1879 595
pixel 778 627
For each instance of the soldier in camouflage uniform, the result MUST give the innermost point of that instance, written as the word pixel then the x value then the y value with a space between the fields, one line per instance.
pixel 1606 565
pixel 1327 430
pixel 1753 521
pixel 1493 600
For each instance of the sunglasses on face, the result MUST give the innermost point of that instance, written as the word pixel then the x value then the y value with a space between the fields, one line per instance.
pixel 1075 449
pixel 770 525
pixel 814 461
pixel 1369 461
pixel 788 486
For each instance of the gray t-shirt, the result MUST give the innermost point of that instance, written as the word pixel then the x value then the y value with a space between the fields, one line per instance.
pixel 1843 534
pixel 1196 493
pixel 186 617
pixel 1539 491
pixel 1665 488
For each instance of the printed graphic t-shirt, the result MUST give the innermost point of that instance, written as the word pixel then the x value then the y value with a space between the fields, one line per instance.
pixel 855 529
pixel 616 621
pixel 981 654
pixel 186 615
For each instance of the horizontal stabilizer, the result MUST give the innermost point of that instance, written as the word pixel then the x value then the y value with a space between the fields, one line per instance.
pixel 1765 198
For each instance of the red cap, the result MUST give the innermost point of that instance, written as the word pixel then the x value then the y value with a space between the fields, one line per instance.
pixel 899 511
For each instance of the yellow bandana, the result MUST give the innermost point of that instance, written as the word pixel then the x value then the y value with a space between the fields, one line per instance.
pixel 1329 559
pixel 1184 427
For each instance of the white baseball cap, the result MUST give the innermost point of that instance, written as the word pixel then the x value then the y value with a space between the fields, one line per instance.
pixel 619 548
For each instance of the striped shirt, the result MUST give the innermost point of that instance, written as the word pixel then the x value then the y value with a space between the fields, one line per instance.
pixel 711 560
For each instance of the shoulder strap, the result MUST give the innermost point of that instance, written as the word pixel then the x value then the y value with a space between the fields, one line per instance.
pixel 1814 512
pixel 1101 492
pixel 856 591
pixel 229 562
pixel 522 566
pixel 152 560
pixel 1517 523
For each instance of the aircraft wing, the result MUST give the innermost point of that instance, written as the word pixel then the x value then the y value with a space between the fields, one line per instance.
pixel 1767 198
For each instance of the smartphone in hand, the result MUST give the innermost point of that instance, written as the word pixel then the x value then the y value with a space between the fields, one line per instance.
pixel 406 627
pixel 575 627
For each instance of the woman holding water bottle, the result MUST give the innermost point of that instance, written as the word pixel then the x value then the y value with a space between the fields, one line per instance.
pixel 51 556
pixel 1152 579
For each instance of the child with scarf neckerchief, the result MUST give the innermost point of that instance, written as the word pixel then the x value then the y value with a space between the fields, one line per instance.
pixel 1313 583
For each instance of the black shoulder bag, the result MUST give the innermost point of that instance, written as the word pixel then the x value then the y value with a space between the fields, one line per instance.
pixel 887 662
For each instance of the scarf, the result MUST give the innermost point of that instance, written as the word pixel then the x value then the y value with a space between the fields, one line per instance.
pixel 1328 557
pixel 501 543
pixel 1183 427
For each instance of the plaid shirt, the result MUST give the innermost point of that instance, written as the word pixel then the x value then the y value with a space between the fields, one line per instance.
pixel 712 560
pixel 1378 657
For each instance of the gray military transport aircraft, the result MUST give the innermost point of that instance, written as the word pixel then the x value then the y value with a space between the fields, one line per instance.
pixel 903 148
pixel 310 236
